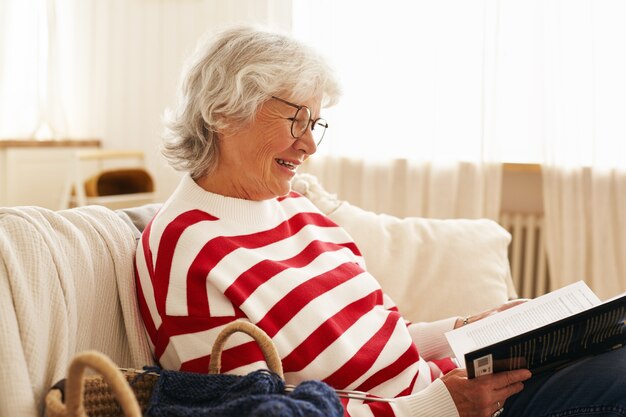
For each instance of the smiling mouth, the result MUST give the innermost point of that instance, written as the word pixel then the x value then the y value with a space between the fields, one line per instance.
pixel 286 164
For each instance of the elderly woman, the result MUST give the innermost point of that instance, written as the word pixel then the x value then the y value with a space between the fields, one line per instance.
pixel 233 242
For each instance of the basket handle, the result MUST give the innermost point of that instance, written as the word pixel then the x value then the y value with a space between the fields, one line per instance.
pixel 74 393
pixel 263 340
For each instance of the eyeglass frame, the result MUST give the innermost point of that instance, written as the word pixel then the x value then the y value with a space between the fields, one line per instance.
pixel 311 122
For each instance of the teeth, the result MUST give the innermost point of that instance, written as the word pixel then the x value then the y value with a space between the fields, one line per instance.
pixel 286 163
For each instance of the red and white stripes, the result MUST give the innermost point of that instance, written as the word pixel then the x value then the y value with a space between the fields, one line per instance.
pixel 206 260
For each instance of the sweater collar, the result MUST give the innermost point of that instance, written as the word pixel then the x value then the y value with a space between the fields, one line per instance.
pixel 245 212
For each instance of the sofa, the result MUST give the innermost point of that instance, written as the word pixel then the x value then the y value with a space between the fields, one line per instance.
pixel 67 281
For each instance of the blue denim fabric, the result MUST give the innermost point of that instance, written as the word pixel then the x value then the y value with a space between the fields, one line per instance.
pixel 592 387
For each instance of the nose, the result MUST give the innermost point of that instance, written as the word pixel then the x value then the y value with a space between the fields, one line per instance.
pixel 306 143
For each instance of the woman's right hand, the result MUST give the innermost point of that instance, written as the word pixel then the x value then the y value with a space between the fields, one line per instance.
pixel 483 396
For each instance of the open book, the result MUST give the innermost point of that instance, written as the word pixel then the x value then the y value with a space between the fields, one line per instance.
pixel 544 333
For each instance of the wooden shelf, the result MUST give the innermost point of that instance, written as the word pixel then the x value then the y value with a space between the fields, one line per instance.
pixel 47 143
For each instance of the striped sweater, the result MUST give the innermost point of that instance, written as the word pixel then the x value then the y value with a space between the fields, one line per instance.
pixel 206 260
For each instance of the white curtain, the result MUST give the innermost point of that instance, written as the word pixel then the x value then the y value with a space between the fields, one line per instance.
pixel 23 67
pixel 486 81
pixel 402 187
pixel 583 65
pixel 560 89
pixel 418 104
pixel 586 221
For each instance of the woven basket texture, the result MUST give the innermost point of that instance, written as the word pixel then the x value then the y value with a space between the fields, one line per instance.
pixel 100 402
pixel 97 397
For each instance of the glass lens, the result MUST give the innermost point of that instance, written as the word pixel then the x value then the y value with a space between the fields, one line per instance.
pixel 318 128
pixel 300 122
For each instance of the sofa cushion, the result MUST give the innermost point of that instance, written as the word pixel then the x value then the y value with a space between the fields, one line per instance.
pixel 431 268
pixel 137 218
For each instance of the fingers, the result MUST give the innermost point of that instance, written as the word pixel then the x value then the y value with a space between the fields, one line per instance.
pixel 503 385
pixel 506 384
pixel 505 306
pixel 512 303
pixel 504 379
pixel 485 395
pixel 510 390
pixel 456 373
pixel 499 409
pixel 512 385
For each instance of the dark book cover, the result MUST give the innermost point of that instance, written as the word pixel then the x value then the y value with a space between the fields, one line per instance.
pixel 590 332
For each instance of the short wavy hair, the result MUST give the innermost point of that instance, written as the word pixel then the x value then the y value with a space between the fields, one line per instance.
pixel 228 79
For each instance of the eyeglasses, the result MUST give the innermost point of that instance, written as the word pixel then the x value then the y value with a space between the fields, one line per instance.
pixel 301 121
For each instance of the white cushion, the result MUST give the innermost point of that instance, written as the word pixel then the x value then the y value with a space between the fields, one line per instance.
pixel 431 268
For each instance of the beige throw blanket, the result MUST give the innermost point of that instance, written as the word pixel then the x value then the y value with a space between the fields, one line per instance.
pixel 66 285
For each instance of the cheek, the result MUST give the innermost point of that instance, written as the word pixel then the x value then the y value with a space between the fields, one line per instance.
pixel 275 138
pixel 278 128
pixel 265 156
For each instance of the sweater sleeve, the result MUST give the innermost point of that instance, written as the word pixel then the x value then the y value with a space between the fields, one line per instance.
pixel 433 401
pixel 430 338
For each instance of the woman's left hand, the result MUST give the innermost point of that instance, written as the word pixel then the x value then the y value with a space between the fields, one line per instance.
pixel 471 319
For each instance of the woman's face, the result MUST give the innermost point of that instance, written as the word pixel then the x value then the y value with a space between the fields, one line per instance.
pixel 258 161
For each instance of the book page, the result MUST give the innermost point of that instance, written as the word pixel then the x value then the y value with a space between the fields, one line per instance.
pixel 530 315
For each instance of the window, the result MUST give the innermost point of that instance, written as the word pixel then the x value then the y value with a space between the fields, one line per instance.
pixel 490 80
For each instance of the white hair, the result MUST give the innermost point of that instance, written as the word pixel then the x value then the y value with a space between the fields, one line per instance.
pixel 228 79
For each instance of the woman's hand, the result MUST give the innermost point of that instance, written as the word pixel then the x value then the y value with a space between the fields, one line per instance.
pixel 479 316
pixel 483 396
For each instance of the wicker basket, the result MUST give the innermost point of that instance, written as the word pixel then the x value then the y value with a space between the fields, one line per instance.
pixel 126 392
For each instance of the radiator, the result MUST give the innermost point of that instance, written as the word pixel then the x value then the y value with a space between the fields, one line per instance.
pixel 527 253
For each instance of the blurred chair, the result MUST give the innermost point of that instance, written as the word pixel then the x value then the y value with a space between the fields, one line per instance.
pixel 111 178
